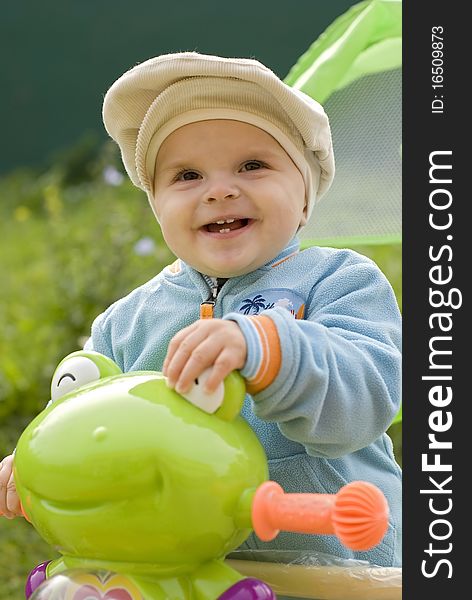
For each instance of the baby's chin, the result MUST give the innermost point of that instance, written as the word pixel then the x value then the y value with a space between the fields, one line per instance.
pixel 222 272
pixel 231 261
pixel 227 268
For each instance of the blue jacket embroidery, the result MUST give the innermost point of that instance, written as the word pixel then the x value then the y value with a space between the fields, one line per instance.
pixel 271 298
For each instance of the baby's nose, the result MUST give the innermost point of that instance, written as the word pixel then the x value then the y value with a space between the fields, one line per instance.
pixel 221 188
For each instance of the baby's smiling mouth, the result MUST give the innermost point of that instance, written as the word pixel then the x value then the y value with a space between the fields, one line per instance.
pixel 226 225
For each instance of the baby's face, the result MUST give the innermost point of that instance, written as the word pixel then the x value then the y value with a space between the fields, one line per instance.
pixel 227 195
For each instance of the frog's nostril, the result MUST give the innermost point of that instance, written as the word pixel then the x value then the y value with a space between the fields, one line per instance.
pixel 36 431
pixel 100 434
pixel 159 484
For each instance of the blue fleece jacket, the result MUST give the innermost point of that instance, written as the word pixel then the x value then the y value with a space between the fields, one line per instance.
pixel 329 320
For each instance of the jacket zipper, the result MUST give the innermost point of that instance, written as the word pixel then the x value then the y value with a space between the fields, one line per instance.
pixel 207 307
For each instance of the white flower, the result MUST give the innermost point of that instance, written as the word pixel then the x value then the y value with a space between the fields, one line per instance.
pixel 145 246
pixel 112 176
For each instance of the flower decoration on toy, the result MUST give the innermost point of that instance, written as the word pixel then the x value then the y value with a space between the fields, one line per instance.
pixel 144 491
pixel 87 585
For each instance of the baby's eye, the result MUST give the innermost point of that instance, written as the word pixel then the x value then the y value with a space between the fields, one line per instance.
pixel 186 175
pixel 252 165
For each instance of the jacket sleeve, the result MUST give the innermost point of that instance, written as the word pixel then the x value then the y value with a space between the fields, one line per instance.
pixel 332 381
pixel 99 340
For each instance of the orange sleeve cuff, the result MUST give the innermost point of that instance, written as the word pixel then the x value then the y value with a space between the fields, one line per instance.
pixel 271 354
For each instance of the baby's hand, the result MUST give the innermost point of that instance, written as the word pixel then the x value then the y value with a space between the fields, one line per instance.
pixel 214 343
pixel 9 502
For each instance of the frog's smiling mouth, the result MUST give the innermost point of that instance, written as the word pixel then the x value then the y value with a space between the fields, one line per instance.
pixel 82 508
pixel 79 507
pixel 75 503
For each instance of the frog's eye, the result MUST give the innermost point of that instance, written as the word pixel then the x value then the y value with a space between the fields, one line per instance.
pixel 207 402
pixel 73 373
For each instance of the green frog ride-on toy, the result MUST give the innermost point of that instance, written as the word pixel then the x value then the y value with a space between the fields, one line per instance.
pixel 143 492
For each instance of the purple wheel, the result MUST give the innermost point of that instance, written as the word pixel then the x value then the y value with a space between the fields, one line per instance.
pixel 249 589
pixel 35 578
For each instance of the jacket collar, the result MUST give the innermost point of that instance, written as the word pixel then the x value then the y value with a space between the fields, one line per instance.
pixel 204 282
pixel 292 248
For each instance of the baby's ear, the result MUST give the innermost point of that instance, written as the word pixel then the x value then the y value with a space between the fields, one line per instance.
pixel 304 218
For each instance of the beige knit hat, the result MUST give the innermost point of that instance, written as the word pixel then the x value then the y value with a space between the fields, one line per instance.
pixel 156 97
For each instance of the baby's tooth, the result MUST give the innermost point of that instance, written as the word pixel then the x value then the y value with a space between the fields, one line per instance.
pixel 225 230
pixel 230 220
pixel 219 222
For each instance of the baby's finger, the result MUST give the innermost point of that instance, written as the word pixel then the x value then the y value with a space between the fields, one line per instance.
pixel 13 502
pixel 225 362
pixel 202 357
pixel 176 342
pixel 6 463
pixel 182 354
pixel 5 472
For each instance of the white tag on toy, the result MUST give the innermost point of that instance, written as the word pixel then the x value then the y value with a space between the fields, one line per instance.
pixel 198 397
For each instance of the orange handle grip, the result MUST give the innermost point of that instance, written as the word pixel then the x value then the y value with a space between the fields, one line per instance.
pixel 357 514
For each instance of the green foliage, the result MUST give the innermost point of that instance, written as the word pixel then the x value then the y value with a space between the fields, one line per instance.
pixel 21 550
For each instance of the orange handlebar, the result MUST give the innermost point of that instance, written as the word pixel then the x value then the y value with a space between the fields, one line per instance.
pixel 357 514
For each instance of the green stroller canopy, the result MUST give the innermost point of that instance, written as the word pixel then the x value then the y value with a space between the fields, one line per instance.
pixel 354 70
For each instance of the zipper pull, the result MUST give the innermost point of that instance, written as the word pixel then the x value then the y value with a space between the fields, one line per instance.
pixel 207 307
